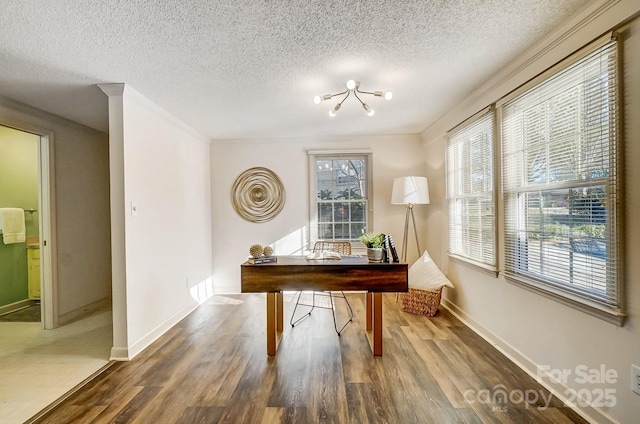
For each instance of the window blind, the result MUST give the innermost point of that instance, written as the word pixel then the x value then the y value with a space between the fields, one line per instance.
pixel 470 181
pixel 560 181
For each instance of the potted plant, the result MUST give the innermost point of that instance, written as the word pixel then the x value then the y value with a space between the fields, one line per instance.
pixel 374 242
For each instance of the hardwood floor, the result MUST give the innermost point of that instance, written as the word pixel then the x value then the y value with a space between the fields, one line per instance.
pixel 212 368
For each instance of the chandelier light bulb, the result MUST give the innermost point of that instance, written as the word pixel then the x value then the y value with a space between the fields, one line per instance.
pixel 388 95
pixel 351 84
pixel 319 99
pixel 370 111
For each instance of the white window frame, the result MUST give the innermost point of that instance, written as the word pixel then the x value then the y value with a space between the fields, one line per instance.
pixel 607 303
pixel 472 223
pixel 314 156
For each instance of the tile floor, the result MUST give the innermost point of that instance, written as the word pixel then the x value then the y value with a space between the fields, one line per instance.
pixel 38 366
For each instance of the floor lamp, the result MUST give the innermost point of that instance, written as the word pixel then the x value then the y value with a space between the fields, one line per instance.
pixel 410 191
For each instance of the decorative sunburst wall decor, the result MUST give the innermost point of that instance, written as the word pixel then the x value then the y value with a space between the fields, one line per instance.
pixel 258 195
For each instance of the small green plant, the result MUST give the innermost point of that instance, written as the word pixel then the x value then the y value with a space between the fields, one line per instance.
pixel 372 240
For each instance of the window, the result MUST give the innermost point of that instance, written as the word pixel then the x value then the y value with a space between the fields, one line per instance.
pixel 340 187
pixel 470 182
pixel 560 184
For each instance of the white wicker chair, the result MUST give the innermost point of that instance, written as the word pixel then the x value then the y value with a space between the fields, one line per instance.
pixel 343 248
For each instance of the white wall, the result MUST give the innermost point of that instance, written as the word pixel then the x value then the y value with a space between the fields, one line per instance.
pixel 162 250
pixel 531 329
pixel 80 180
pixel 392 156
pixel 82 222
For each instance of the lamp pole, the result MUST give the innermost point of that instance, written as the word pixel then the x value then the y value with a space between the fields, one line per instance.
pixel 410 191
pixel 406 232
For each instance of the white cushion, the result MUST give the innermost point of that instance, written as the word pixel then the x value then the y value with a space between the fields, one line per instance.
pixel 425 275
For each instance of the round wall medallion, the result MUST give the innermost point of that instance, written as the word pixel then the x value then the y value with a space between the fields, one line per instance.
pixel 258 195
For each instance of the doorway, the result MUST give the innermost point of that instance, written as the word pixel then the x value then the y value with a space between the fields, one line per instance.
pixel 25 272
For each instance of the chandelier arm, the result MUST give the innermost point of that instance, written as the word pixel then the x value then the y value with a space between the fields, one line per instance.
pixel 339 94
pixel 356 94
pixel 345 97
pixel 366 92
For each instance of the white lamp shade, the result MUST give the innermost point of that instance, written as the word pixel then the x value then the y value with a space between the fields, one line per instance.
pixel 410 190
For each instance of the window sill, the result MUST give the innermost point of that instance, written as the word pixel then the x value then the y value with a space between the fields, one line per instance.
pixel 613 317
pixel 487 269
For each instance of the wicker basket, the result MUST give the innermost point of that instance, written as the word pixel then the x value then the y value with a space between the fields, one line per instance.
pixel 421 302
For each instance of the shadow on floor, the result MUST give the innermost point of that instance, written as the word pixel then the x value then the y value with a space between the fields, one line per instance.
pixel 29 314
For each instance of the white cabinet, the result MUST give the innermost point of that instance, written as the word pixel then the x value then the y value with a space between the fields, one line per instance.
pixel 33 262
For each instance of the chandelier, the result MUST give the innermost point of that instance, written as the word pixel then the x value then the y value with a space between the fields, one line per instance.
pixel 353 87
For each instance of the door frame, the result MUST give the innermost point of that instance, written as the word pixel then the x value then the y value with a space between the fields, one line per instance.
pixel 48 285
pixel 46 214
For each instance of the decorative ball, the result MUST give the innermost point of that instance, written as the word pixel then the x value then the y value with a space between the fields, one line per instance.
pixel 256 250
pixel 267 251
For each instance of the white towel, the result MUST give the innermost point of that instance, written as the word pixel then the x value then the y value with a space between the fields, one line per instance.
pixel 12 225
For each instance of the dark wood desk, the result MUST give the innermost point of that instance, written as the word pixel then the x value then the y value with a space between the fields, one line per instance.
pixel 351 273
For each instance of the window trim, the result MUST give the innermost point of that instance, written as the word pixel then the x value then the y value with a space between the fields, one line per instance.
pixel 593 308
pixel 313 155
pixel 489 268
pixel 493 271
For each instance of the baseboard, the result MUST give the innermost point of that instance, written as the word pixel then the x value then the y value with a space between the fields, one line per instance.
pixel 119 354
pixel 154 334
pixel 12 307
pixel 84 311
pixel 527 365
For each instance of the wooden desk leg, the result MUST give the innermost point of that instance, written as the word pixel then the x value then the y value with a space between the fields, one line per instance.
pixel 280 311
pixel 274 322
pixel 369 298
pixel 374 322
pixel 377 324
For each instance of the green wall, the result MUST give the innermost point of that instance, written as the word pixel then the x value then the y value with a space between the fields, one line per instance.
pixel 18 189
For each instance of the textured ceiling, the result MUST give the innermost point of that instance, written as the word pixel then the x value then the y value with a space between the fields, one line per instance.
pixel 249 69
